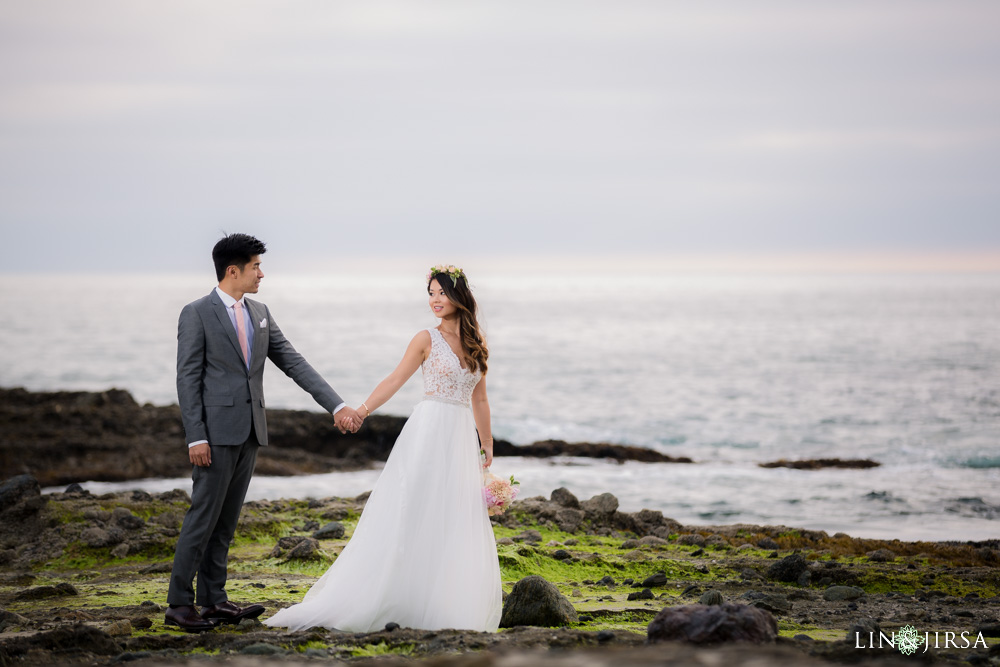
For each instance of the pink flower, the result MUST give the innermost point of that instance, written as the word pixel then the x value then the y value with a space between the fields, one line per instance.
pixel 498 493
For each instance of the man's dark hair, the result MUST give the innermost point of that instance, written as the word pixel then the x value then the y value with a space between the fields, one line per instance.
pixel 235 250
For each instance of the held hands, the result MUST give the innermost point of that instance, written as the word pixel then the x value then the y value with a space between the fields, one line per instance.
pixel 348 419
pixel 200 455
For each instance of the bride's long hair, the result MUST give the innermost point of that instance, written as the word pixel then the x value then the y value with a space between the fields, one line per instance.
pixel 474 348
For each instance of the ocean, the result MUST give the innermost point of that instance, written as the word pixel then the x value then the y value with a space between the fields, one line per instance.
pixel 731 370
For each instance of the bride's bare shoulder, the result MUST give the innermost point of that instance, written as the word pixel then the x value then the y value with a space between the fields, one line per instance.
pixel 421 339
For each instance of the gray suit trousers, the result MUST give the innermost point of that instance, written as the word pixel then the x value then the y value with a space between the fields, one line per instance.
pixel 210 523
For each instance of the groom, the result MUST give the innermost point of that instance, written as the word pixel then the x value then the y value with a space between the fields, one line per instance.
pixel 223 340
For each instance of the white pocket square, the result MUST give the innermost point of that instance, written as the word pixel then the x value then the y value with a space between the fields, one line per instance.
pixel 263 323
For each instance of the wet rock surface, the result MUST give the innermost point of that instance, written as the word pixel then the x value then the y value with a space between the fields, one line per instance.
pixel 715 624
pixel 535 601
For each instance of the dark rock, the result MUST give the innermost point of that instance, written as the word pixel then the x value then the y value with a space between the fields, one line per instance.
pixel 126 520
pixel 835 593
pixel 803 638
pixel 287 543
pixel 691 540
pixel 41 592
pixel 529 535
pixel 652 581
pixel 653 541
pixel 804 579
pixel 816 464
pixel 99 537
pixel 711 598
pixel 76 640
pixel 569 519
pixel 989 629
pixel 96 515
pixel 262 649
pixel 701 624
pixel 9 619
pixel 629 544
pixel 249 625
pixel 776 604
pixel 74 488
pixel 307 549
pixel 562 554
pixel 535 601
pixel 881 556
pixel 16 489
pixel 644 594
pixel 789 568
pixel 391 626
pixel 601 505
pixel 157 568
pixel 604 636
pixel 549 448
pixel 331 531
pixel 862 627
pixel 768 543
pixel 564 497
pixel 607 580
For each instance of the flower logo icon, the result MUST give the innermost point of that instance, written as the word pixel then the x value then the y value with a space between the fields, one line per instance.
pixel 907 640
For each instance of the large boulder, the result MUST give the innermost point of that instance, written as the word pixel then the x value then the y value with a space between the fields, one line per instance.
pixel 789 568
pixel 17 489
pixel 535 601
pixel 716 624
pixel 331 531
pixel 602 505
pixel 565 497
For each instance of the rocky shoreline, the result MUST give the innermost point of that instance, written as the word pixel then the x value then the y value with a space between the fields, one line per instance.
pixel 75 436
pixel 83 580
pixel 65 437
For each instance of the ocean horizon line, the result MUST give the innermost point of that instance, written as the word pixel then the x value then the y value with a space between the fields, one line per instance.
pixel 765 263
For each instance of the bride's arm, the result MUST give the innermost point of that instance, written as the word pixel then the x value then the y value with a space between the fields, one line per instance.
pixel 416 353
pixel 481 413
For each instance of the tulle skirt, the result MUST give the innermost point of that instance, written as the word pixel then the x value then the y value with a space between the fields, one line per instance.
pixel 423 554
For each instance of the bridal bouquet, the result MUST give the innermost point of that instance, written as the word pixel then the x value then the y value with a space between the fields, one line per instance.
pixel 498 492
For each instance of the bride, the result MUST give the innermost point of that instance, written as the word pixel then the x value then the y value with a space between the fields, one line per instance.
pixel 423 554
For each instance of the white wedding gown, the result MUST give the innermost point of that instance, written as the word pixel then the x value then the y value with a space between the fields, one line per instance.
pixel 423 554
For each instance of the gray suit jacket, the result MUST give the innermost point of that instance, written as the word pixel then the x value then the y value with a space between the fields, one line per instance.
pixel 220 398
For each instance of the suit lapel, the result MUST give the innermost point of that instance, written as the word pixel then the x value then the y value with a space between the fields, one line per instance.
pixel 227 324
pixel 259 352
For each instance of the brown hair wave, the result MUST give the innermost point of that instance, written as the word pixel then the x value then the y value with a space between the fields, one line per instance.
pixel 474 350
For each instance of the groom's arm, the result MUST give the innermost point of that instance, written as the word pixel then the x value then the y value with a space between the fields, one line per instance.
pixel 190 370
pixel 295 366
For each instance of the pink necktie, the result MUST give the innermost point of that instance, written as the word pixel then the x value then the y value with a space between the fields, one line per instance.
pixel 241 333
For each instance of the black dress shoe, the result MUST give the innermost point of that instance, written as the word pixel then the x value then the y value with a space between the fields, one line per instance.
pixel 187 618
pixel 227 612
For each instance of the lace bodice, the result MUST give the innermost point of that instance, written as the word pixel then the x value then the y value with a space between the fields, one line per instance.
pixel 444 378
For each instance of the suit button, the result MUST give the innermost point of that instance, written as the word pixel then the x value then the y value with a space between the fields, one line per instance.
pixel 248 400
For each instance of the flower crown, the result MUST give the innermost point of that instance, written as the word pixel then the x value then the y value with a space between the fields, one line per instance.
pixel 449 270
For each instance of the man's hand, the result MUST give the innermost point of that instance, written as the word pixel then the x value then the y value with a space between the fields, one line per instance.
pixel 200 455
pixel 348 419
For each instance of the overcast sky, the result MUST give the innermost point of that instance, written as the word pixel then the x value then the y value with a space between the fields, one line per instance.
pixel 133 132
